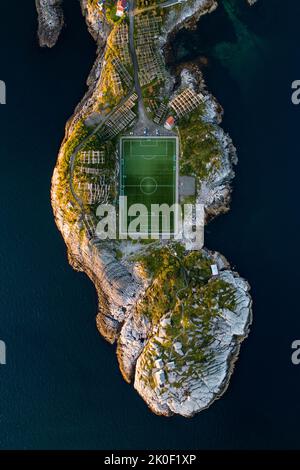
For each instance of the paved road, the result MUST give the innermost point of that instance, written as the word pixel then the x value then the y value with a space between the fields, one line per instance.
pixel 143 120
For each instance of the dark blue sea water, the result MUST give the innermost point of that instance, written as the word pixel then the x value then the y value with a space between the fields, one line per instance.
pixel 61 387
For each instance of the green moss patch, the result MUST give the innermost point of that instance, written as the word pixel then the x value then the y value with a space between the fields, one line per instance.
pixel 200 149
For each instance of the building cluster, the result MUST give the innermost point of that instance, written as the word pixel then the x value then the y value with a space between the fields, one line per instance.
pixel 95 186
pixel 121 117
pixel 90 171
pixel 118 42
pixel 183 103
pixel 121 70
pixel 159 374
pixel 115 75
pixel 148 28
pixel 116 82
pixel 186 101
pixel 94 193
pixel 151 66
pixel 92 157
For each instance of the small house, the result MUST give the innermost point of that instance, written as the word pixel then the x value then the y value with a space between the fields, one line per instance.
pixel 159 378
pixel 178 347
pixel 121 7
pixel 214 269
pixel 158 364
pixel 170 123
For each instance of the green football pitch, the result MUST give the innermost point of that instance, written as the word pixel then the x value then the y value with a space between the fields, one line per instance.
pixel 148 173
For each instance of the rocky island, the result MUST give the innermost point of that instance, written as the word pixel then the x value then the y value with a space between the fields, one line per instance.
pixel 177 312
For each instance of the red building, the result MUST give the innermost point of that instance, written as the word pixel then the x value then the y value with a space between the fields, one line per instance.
pixel 121 7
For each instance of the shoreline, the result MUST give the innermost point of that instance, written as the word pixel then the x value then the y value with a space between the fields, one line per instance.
pixel 117 304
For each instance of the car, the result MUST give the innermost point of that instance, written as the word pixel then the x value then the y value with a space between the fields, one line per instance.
pixel 145 131
pixel 157 132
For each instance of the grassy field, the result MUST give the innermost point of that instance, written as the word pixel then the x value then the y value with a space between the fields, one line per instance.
pixel 148 173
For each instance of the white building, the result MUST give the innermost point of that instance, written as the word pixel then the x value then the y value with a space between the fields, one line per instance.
pixel 158 363
pixel 120 12
pixel 159 378
pixel 171 365
pixel 214 269
pixel 178 347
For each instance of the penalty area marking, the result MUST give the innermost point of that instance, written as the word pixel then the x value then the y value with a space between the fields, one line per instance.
pixel 148 143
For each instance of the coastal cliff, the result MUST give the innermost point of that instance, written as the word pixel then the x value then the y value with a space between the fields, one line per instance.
pixel 169 315
pixel 51 21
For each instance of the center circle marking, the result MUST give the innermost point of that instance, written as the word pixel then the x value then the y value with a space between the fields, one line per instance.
pixel 148 185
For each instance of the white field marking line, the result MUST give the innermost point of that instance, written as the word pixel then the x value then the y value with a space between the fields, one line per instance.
pixel 146 157
pixel 155 144
pixel 147 138
pixel 150 157
pixel 155 140
pixel 151 143
pixel 158 186
pixel 165 155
